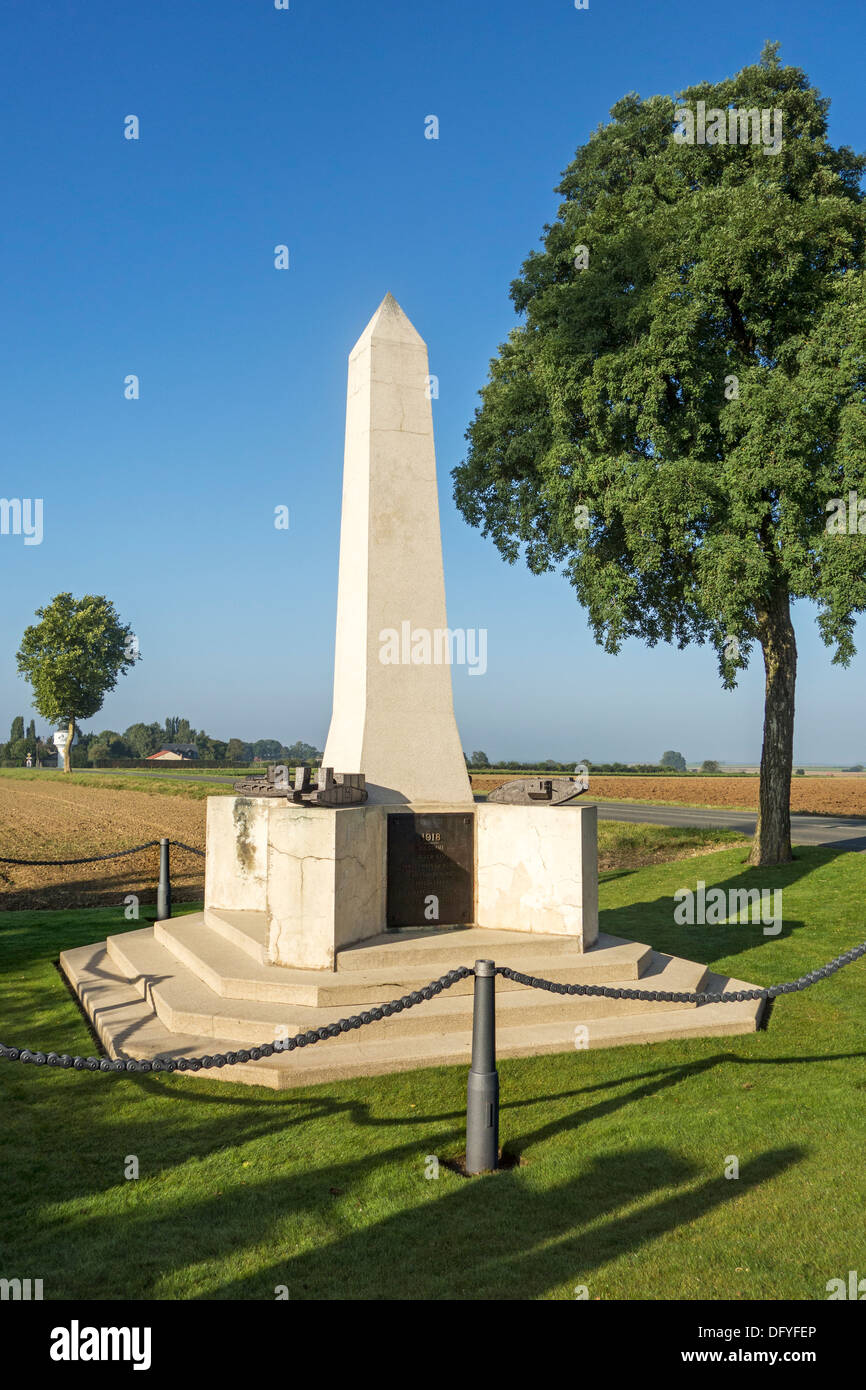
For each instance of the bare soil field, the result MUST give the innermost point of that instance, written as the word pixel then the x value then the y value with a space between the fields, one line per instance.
pixel 47 820
pixel 826 796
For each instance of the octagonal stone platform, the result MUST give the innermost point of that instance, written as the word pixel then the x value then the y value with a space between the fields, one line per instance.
pixel 203 983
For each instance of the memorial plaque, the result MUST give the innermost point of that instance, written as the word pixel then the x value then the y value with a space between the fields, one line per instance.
pixel 431 869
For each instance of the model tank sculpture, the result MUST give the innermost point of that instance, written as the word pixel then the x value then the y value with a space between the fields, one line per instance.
pixel 331 789
pixel 556 791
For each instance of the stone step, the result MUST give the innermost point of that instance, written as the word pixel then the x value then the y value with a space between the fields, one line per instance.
pixel 129 1026
pixel 440 949
pixel 230 971
pixel 185 1003
pixel 445 948
pixel 359 1058
pixel 247 930
pixel 314 1064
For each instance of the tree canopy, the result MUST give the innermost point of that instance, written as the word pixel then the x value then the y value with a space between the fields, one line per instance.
pixel 686 395
pixel 73 656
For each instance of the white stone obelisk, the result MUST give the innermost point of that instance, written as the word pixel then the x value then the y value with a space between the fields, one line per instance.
pixel 393 714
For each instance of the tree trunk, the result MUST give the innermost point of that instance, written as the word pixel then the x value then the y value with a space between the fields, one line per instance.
pixel 772 844
pixel 70 735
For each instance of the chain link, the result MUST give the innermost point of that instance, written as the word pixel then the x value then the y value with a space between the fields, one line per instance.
pixel 98 858
pixel 93 858
pixel 739 996
pixel 408 1001
pixel 251 1054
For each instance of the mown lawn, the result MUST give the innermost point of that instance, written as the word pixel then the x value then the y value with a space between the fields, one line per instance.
pixel 154 783
pixel 621 1184
pixel 631 844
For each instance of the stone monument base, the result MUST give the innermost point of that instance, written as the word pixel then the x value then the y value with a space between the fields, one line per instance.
pixel 328 878
pixel 202 984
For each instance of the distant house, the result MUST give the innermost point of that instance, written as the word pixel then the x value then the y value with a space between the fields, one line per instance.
pixel 174 753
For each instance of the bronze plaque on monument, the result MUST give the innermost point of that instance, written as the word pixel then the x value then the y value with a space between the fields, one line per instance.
pixel 431 869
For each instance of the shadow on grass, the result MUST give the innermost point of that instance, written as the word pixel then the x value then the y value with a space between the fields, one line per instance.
pixel 652 920
pixel 497 1237
pixel 186 1132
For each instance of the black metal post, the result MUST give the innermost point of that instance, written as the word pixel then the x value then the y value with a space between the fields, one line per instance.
pixel 482 1092
pixel 163 893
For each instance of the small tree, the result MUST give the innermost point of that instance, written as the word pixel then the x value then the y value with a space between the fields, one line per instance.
pixel 673 760
pixel 710 765
pixel 17 730
pixel 72 658
pixel 479 760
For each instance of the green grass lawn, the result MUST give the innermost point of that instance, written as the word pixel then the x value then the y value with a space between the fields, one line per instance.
pixel 621 1183
pixel 159 784
pixel 632 844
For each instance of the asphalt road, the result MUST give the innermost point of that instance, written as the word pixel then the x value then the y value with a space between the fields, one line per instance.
pixel 839 832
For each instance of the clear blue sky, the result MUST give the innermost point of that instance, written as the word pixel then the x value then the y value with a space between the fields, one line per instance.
pixel 155 257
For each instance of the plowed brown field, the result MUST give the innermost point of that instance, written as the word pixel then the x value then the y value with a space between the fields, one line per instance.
pixel 47 820
pixel 827 796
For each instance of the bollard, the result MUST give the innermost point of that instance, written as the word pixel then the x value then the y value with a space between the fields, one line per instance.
pixel 482 1092
pixel 163 893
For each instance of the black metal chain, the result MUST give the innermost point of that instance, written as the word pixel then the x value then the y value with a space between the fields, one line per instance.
pixel 739 996
pixel 408 1001
pixel 92 859
pixel 97 858
pixel 251 1054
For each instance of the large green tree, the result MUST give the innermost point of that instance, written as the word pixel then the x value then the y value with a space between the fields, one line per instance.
pixel 72 658
pixel 685 400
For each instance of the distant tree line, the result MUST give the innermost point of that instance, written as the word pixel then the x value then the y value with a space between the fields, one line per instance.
pixel 142 740
pixel 23 741
pixel 670 761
